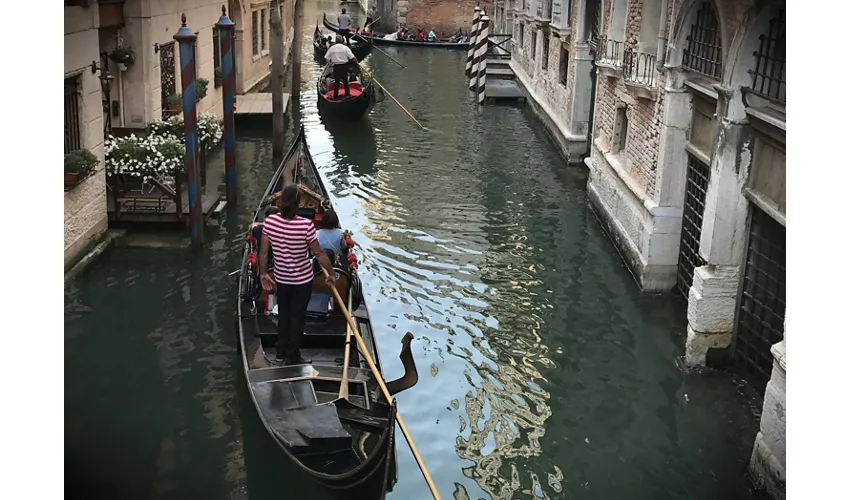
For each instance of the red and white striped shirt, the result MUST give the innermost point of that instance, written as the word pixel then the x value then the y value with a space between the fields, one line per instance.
pixel 290 241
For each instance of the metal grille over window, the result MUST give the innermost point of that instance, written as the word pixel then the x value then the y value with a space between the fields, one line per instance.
pixel 263 26
pixel 545 52
pixel 689 258
pixel 255 40
pixel 703 52
pixel 769 73
pixel 761 312
pixel 73 134
pixel 167 78
pixel 592 20
pixel 608 51
pixel 216 49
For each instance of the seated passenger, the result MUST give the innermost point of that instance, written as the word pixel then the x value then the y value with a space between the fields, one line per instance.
pixel 330 236
pixel 420 37
pixel 400 34
pixel 257 231
pixel 432 37
pixel 457 36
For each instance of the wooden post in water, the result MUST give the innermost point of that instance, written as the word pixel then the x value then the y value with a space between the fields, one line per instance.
pixel 473 34
pixel 225 38
pixel 186 38
pixel 481 53
pixel 276 82
pixel 298 28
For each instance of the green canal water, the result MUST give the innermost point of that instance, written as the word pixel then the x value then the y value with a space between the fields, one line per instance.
pixel 544 373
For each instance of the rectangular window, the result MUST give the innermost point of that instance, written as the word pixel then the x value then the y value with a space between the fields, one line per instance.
pixel 521 36
pixel 216 49
pixel 255 37
pixel 264 27
pixel 533 44
pixel 73 132
pixel 545 53
pixel 621 131
pixel 563 66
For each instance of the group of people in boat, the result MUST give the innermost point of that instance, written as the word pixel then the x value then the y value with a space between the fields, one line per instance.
pixel 342 66
pixel 404 34
pixel 286 242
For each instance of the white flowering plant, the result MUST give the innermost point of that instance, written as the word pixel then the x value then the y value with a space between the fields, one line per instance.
pixel 210 129
pixel 146 157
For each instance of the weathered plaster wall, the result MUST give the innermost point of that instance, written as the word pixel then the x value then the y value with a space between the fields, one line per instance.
pixel 85 205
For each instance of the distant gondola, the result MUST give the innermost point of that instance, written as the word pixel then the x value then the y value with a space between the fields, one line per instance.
pixel 378 39
pixel 360 49
pixel 348 445
pixel 356 106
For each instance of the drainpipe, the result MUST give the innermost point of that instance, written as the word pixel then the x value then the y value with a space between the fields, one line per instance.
pixel 662 38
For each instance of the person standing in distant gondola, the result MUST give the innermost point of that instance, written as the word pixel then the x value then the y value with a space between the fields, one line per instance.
pixel 344 23
pixel 340 56
pixel 370 18
pixel 291 239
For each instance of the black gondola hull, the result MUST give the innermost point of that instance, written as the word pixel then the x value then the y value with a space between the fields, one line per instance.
pixel 348 446
pixel 347 109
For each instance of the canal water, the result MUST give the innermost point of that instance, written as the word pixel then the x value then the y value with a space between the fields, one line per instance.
pixel 544 372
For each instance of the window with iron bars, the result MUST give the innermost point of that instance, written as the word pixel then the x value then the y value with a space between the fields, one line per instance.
pixel 255 36
pixel 703 52
pixel 696 186
pixel 73 128
pixel 264 26
pixel 533 43
pixel 545 58
pixel 216 49
pixel 769 72
pixel 563 67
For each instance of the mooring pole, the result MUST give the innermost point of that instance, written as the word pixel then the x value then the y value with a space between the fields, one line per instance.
pixel 473 34
pixel 225 39
pixel 481 55
pixel 186 38
pixel 276 80
pixel 298 27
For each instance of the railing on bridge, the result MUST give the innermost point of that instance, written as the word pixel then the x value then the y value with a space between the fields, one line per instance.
pixel 499 42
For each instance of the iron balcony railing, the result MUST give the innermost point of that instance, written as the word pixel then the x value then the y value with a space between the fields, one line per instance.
pixel 638 67
pixel 608 51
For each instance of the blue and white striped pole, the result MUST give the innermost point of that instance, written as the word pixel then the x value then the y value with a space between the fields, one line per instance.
pixel 186 38
pixel 225 38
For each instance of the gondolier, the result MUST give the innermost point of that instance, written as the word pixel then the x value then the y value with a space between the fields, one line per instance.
pixel 340 56
pixel 344 22
pixel 370 18
pixel 291 238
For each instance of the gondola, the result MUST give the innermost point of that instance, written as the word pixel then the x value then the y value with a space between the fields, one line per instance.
pixel 356 106
pixel 360 49
pixel 378 39
pixel 347 445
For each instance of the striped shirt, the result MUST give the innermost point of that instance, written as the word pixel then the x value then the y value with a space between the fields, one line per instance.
pixel 290 241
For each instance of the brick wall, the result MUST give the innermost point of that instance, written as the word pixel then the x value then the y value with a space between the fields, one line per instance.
pixel 445 16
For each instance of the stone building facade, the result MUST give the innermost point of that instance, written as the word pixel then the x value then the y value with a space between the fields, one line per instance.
pixel 687 171
pixel 677 108
pixel 551 60
pixel 85 204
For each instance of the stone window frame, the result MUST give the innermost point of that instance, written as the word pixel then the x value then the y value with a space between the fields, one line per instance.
pixel 563 65
pixel 544 58
pixel 77 77
pixel 264 26
pixel 533 43
pixel 255 34
pixel 620 132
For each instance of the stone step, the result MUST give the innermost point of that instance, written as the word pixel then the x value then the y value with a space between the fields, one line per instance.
pixel 499 73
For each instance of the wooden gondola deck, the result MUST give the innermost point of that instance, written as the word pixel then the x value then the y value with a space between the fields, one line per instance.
pixel 154 207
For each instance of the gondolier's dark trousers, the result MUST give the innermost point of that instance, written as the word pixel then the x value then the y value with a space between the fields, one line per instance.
pixel 292 301
pixel 341 75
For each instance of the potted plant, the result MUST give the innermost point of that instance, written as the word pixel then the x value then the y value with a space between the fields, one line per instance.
pixel 217 80
pixel 173 104
pixel 124 56
pixel 201 88
pixel 78 164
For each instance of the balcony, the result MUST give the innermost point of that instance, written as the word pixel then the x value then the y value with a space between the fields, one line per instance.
pixel 639 73
pixel 608 56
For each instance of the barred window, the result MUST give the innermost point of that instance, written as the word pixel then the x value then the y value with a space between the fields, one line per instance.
pixel 216 49
pixel 563 66
pixel 255 37
pixel 263 28
pixel 703 52
pixel 73 129
pixel 545 52
pixel 769 73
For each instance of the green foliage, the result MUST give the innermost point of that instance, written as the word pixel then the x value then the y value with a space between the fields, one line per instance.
pixel 81 161
pixel 123 54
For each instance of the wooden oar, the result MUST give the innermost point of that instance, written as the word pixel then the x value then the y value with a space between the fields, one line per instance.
pixel 343 385
pixel 370 75
pixel 378 378
pixel 373 22
pixel 379 50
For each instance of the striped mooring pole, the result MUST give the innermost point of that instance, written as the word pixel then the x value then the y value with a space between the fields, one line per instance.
pixel 481 55
pixel 186 38
pixel 473 34
pixel 225 37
